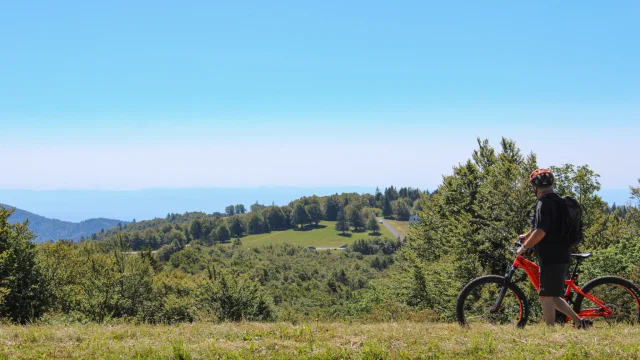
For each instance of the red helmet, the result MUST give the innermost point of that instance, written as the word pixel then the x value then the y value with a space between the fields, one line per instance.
pixel 541 177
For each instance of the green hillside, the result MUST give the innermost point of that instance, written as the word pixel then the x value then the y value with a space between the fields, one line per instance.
pixel 322 236
pixel 53 229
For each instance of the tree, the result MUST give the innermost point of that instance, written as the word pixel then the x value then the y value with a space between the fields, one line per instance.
pixel 635 193
pixel 401 209
pixel 331 208
pixel 236 227
pixel 176 237
pixel 387 210
pixel 229 210
pixel 391 193
pixel 315 213
pixel 23 291
pixel 372 224
pixel 354 216
pixel 378 196
pixel 582 183
pixel 476 211
pixel 341 224
pixel 287 211
pixel 222 233
pixel 417 206
pixel 275 216
pixel 196 229
pixel 257 207
pixel 299 215
pixel 255 225
pixel 240 209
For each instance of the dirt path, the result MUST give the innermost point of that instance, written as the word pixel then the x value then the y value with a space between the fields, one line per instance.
pixel 391 229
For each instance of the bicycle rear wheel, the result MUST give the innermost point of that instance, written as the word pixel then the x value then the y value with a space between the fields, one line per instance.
pixel 477 303
pixel 618 294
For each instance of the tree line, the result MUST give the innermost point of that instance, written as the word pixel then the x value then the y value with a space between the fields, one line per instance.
pixel 350 211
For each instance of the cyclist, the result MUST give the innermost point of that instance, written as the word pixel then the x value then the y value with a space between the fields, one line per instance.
pixel 554 255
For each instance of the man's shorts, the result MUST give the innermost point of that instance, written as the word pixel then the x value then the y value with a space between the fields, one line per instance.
pixel 552 279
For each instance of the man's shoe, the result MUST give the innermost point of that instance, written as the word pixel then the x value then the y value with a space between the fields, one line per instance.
pixel 584 324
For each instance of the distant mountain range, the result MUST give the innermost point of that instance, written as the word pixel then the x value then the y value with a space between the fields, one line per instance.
pixel 77 205
pixel 52 229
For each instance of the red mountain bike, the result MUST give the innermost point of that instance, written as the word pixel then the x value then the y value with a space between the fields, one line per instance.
pixel 498 300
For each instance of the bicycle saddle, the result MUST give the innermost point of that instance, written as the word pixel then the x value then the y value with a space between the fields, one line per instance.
pixel 581 256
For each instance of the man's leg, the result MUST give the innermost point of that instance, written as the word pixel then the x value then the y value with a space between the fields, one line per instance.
pixel 564 308
pixel 548 310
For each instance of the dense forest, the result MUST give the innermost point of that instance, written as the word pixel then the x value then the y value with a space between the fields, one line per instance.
pixel 194 266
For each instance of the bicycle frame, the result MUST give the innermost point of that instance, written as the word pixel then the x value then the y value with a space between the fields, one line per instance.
pixel 533 272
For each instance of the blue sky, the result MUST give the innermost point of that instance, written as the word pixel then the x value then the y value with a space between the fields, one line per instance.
pixel 130 95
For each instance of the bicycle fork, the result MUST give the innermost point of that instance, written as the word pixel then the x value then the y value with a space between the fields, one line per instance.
pixel 503 291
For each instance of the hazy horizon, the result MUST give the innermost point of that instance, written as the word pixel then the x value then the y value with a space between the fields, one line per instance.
pixel 146 204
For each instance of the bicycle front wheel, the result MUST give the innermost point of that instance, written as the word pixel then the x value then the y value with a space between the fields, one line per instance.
pixel 480 302
pixel 621 296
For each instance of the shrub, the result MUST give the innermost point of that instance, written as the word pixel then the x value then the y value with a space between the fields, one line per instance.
pixel 230 299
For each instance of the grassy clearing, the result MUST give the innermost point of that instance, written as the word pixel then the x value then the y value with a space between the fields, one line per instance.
pixel 402 227
pixel 316 341
pixel 324 235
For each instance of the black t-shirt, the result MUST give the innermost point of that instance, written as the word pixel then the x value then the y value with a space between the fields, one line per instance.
pixel 552 249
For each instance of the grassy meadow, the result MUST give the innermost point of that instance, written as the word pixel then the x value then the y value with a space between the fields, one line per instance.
pixel 323 236
pixel 402 227
pixel 403 340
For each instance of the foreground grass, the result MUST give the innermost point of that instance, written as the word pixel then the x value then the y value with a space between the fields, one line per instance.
pixel 322 236
pixel 404 340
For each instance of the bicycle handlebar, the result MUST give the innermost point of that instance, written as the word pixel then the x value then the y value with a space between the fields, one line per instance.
pixel 517 244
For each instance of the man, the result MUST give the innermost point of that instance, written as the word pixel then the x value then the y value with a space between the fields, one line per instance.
pixel 554 255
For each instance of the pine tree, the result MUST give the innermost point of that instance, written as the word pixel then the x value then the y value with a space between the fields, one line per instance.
pixel 341 224
pixel 354 217
pixel 387 211
pixel 372 224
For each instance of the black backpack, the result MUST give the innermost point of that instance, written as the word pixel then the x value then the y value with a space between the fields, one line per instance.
pixel 571 224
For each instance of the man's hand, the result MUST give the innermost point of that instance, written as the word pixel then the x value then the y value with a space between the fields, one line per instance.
pixel 520 240
pixel 521 250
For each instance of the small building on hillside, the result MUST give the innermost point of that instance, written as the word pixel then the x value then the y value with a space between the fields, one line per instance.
pixel 413 219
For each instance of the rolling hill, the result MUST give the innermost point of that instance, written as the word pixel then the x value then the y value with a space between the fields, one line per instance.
pixel 52 229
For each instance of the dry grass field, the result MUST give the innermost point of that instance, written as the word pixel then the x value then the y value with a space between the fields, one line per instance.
pixel 404 340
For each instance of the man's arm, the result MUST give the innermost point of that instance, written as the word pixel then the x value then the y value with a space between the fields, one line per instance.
pixel 534 238
pixel 524 237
